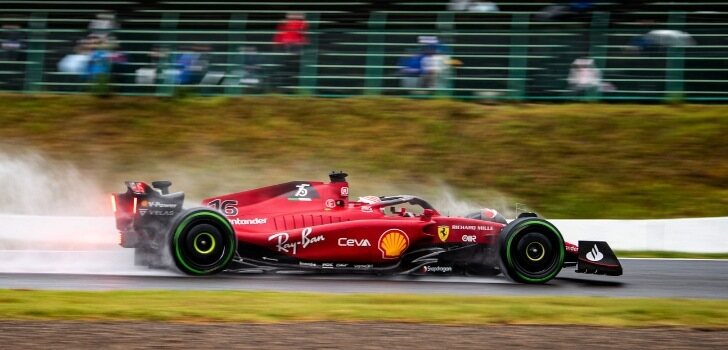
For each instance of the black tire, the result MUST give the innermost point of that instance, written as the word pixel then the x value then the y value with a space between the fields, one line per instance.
pixel 202 242
pixel 531 250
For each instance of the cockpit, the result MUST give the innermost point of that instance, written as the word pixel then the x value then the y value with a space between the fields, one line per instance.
pixel 403 205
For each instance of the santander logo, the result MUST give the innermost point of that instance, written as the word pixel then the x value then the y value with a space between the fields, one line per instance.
pixel 594 254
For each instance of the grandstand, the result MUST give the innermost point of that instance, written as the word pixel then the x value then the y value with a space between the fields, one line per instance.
pixel 356 47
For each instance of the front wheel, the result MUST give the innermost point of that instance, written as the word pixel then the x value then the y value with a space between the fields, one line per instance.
pixel 203 242
pixel 531 250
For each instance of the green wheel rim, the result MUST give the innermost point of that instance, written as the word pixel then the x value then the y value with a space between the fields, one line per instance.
pixel 200 239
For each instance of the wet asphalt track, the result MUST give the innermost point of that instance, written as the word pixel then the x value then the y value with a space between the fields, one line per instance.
pixel 642 278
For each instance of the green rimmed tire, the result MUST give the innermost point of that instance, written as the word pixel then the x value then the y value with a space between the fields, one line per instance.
pixel 531 250
pixel 202 242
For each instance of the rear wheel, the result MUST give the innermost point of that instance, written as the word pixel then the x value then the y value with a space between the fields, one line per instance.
pixel 203 243
pixel 531 251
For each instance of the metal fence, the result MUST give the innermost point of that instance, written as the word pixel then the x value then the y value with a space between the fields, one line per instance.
pixel 505 55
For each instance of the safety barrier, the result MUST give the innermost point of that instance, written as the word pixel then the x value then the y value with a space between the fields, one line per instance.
pixel 704 235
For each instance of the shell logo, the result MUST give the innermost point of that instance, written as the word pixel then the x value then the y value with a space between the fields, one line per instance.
pixel 393 243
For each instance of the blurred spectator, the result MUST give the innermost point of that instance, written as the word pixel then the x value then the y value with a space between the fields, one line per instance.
pixel 429 68
pixel 248 70
pixel 411 71
pixel 564 11
pixel 472 6
pixel 12 42
pixel 149 73
pixel 93 60
pixel 76 62
pixel 660 38
pixel 251 64
pixel 585 78
pixel 458 5
pixel 290 40
pixel 99 61
pixel 192 67
pixel 291 33
pixel 103 25
pixel 429 43
pixel 436 63
pixel 95 57
pixel 434 69
pixel 483 7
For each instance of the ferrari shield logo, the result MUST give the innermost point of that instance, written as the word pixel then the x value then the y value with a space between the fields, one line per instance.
pixel 443 232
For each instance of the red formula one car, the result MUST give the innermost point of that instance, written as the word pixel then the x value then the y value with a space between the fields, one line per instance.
pixel 315 226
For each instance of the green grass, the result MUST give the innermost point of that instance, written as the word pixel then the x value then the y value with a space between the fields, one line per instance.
pixel 266 307
pixel 668 254
pixel 564 161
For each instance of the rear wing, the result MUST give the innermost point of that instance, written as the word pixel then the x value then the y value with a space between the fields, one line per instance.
pixel 143 208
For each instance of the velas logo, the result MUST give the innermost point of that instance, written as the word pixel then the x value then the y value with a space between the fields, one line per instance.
pixel 392 243
pixel 443 232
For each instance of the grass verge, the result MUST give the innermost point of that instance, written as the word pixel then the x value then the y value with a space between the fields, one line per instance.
pixel 267 307
pixel 563 160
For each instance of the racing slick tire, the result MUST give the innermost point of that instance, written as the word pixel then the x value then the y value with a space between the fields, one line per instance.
pixel 202 242
pixel 531 250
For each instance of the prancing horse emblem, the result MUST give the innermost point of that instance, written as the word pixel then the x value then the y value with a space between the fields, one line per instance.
pixel 443 232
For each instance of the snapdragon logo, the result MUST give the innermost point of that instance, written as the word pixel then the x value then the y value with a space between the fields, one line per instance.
pixel 256 221
pixel 594 254
pixel 441 269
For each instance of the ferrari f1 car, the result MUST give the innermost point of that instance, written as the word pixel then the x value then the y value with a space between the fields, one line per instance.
pixel 315 226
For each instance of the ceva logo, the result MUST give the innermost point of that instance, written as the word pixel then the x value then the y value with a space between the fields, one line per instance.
pixel 350 242
pixel 594 254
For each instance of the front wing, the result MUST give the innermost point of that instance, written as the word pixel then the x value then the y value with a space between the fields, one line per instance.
pixel 598 258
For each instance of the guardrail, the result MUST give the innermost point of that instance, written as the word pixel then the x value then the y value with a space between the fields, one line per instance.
pixel 696 235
